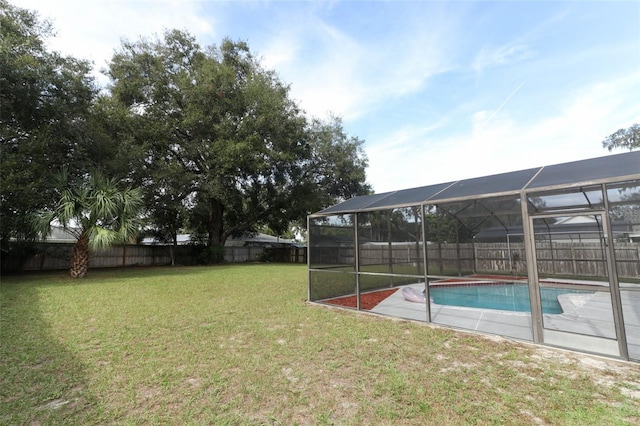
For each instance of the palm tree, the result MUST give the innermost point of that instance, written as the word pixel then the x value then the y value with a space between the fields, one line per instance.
pixel 96 211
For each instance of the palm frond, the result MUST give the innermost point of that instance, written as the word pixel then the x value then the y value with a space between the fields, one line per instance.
pixel 100 238
pixel 68 207
pixel 41 222
pixel 94 207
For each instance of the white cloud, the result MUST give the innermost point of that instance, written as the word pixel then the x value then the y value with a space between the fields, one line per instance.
pixel 374 65
pixel 490 56
pixel 408 159
pixel 94 29
pixel 331 70
pixel 320 63
pixel 523 46
pixel 279 52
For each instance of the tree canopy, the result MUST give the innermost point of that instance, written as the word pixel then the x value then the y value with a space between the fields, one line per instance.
pixel 213 139
pixel 223 141
pixel 45 101
pixel 624 138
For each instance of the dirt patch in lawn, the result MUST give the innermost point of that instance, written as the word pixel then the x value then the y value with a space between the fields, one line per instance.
pixel 368 301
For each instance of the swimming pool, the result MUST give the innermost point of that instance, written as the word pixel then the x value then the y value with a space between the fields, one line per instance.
pixel 504 297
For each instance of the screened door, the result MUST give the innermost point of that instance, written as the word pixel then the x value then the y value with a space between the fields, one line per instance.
pixel 575 282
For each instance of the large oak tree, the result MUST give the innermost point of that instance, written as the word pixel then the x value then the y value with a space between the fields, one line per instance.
pixel 222 138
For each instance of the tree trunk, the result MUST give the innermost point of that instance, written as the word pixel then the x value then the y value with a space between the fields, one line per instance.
pixel 215 228
pixel 80 259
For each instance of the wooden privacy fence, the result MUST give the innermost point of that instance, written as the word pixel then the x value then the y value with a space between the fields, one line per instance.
pixel 578 259
pixel 56 256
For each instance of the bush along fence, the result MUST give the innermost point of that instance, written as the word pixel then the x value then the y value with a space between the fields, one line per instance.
pixel 56 256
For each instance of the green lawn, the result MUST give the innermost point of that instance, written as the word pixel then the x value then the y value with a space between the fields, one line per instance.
pixel 239 345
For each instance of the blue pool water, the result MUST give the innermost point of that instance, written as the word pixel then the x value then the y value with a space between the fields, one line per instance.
pixel 505 297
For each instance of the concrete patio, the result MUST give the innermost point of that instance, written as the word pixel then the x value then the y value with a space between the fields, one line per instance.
pixel 584 315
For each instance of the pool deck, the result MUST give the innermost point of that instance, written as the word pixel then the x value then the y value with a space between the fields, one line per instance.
pixel 585 314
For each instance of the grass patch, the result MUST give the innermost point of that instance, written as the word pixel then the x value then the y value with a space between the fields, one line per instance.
pixel 239 345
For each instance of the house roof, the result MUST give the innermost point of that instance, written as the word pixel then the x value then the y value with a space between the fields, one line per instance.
pixel 561 230
pixel 610 168
pixel 60 235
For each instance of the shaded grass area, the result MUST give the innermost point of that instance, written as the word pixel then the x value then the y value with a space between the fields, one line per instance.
pixel 239 345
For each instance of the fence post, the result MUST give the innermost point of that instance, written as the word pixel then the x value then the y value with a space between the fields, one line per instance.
pixel 42 255
pixel 475 255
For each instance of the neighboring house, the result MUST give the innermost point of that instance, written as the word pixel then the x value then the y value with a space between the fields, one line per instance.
pixel 261 240
pixel 254 240
pixel 569 229
pixel 183 239
pixel 60 235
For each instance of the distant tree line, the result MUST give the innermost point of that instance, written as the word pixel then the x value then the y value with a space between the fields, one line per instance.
pixel 212 140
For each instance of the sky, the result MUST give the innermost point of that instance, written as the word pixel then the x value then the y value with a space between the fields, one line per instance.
pixel 438 90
